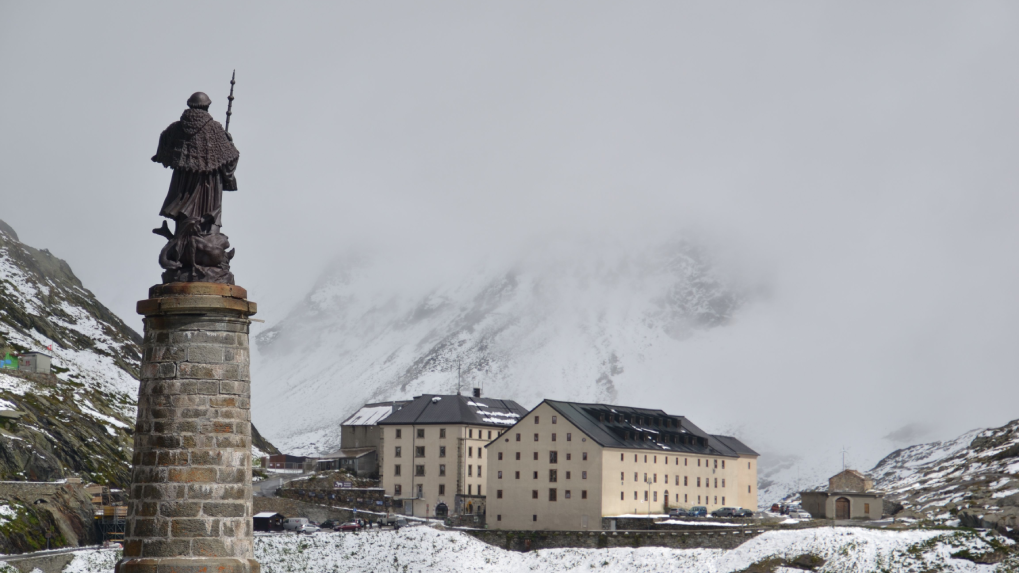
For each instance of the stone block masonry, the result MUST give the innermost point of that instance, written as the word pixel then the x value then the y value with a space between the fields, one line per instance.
pixel 190 496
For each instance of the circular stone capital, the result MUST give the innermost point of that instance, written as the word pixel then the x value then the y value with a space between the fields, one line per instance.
pixel 197 298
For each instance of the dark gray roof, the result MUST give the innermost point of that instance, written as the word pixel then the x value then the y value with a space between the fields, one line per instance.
pixel 454 409
pixel 735 445
pixel 645 429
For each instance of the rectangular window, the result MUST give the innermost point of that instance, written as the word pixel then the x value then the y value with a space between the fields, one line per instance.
pixel 552 494
pixel 490 434
pixel 442 489
pixel 498 517
pixel 567 496
pixel 553 457
pixel 748 465
pixel 553 476
pixel 686 461
pixel 500 456
pixel 535 419
pixel 716 500
pixel 723 467
pixel 421 432
pixel 398 453
pixel 553 434
pixel 716 464
pixel 518 455
pixel 442 470
pixel 469 489
pixel 470 452
pixel 723 500
pixel 645 495
pixel 583 494
pixel 396 470
pixel 634 496
pixel 686 480
pixel 470 471
pixel 685 499
pixel 569 437
pixel 698 482
pixel 479 489
pixel 534 494
pixel 479 453
pixel 498 494
pixel 621 457
pixel 568 456
pixel 397 489
pixel 479 471
pixel 553 419
pixel 698 462
pixel 654 478
pixel 518 437
pixel 399 433
pixel 748 489
pixel 655 498
pixel 655 459
pixel 419 470
pixel 536 475
pixel 535 437
pixel 622 476
pixel 645 459
pixel 470 433
pixel 419 451
pixel 442 451
pixel 583 474
pixel 442 433
pixel 567 475
pixel 866 507
pixel 620 496
pixel 716 482
pixel 723 483
pixel 518 475
pixel 698 499
pixel 635 476
pixel 500 474
pixel 583 456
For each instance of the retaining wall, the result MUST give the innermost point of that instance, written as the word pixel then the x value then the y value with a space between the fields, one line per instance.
pixel 531 540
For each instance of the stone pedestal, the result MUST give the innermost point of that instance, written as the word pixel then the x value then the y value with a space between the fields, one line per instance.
pixel 190 496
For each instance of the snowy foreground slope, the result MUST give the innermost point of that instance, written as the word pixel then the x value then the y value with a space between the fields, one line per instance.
pixel 587 327
pixel 421 549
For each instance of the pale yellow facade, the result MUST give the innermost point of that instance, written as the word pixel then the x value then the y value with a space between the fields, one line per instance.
pixel 591 481
pixel 431 463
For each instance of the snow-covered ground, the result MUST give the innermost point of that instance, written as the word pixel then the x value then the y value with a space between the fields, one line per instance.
pixel 422 549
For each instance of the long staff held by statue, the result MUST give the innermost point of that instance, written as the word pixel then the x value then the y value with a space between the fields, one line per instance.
pixel 230 102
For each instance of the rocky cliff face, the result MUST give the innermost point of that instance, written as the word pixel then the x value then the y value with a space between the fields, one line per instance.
pixel 578 325
pixel 79 420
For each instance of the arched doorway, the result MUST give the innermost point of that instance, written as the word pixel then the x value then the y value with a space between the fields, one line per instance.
pixel 842 508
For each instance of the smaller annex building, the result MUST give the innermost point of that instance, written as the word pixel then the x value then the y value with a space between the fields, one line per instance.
pixel 850 495
pixel 566 465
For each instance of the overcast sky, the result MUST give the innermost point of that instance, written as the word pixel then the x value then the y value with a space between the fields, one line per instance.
pixel 860 159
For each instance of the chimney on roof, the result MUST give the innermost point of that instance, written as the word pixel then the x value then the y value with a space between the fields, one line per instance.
pixel 477 392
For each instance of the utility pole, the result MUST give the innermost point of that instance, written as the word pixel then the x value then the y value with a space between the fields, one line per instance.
pixel 844 450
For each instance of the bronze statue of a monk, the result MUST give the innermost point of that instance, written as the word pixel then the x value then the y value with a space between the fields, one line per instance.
pixel 203 158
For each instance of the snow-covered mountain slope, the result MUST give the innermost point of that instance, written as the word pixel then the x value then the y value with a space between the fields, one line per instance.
pixel 974 477
pixel 78 422
pixel 551 326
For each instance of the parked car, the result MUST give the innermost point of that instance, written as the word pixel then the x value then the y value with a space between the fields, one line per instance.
pixel 309 528
pixel 799 514
pixel 328 524
pixel 349 526
pixel 742 512
pixel 776 508
pixel 295 523
pixel 394 520
pixel 724 512
pixel 678 512
pixel 697 511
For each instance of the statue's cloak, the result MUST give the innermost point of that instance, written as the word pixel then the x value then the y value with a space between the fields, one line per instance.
pixel 195 143
pixel 203 161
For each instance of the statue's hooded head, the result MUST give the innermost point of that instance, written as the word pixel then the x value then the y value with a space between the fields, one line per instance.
pixel 199 100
